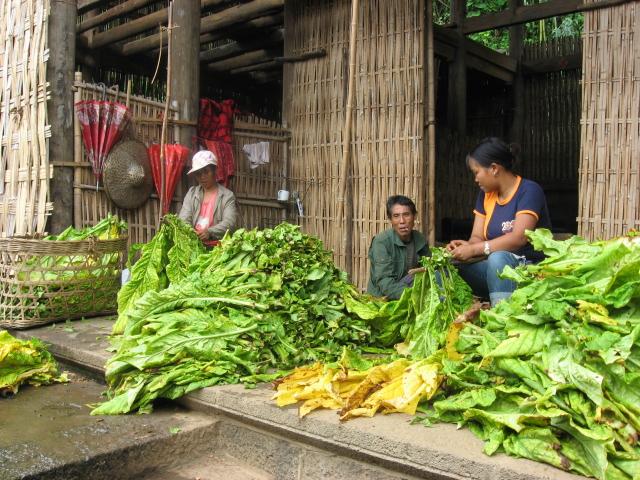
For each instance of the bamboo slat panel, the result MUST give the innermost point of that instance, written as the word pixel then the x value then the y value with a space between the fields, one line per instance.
pixel 91 204
pixel 387 144
pixel 24 146
pixel 610 135
pixel 551 105
pixel 456 191
pixel 256 189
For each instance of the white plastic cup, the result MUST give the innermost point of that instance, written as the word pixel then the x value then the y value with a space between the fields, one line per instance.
pixel 283 195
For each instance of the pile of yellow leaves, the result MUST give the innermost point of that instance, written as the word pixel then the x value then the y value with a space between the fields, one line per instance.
pixel 398 386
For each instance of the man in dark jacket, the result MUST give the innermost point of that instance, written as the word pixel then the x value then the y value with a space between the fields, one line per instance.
pixel 396 251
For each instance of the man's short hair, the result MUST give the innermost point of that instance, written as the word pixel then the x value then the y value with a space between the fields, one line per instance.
pixel 400 200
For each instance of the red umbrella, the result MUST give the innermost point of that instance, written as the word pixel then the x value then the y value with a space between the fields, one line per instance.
pixel 102 124
pixel 175 156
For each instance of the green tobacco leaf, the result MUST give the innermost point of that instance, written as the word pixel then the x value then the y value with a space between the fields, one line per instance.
pixel 538 444
pixel 522 341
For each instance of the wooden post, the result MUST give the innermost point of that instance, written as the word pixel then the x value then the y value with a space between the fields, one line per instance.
pixel 431 126
pixel 185 66
pixel 344 173
pixel 515 51
pixel 60 73
pixel 457 101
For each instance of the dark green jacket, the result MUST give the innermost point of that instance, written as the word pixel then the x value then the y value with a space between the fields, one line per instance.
pixel 388 259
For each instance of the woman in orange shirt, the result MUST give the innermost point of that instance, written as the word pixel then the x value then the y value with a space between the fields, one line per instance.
pixel 506 207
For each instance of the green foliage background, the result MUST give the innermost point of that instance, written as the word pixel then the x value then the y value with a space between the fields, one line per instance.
pixel 535 32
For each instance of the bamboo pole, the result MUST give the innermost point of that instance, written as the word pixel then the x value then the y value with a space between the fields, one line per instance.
pixel 77 155
pixel 431 126
pixel 163 132
pixel 347 232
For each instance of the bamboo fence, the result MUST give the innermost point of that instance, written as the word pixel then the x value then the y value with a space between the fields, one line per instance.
pixel 387 144
pixel 610 135
pixel 24 154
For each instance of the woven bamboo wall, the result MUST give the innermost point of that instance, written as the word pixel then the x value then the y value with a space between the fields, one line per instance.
pixel 91 205
pixel 387 144
pixel 610 136
pixel 256 189
pixel 24 133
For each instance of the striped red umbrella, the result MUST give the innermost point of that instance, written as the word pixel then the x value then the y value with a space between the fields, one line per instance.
pixel 175 157
pixel 102 124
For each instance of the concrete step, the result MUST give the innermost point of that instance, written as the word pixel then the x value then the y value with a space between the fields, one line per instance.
pixel 250 427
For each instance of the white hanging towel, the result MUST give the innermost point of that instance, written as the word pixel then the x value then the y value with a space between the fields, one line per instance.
pixel 258 153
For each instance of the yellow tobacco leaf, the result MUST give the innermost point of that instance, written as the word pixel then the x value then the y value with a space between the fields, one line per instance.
pixel 452 338
pixel 322 402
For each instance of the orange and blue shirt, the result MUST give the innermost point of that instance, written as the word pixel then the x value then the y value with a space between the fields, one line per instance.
pixel 499 216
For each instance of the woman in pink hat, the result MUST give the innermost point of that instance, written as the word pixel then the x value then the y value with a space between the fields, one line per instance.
pixel 209 207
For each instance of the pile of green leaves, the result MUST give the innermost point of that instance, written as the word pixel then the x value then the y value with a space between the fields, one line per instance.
pixel 262 302
pixel 164 260
pixel 25 362
pixel 553 374
pixel 424 312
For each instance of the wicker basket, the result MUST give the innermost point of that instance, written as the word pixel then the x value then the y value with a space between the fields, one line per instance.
pixel 45 281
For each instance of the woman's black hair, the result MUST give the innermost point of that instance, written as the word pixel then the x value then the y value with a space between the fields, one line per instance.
pixel 400 200
pixel 493 150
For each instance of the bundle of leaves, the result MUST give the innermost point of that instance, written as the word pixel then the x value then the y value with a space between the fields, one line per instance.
pixel 422 315
pixel 553 374
pixel 257 305
pixel 25 362
pixel 164 260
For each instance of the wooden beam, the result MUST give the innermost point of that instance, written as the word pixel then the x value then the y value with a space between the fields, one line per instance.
pixel 319 53
pixel 479 57
pixel 553 64
pixel 139 25
pixel 236 48
pixel 457 99
pixel 223 19
pixel 110 14
pixel 243 60
pixel 530 13
pixel 516 38
pixel 265 77
pixel 268 65
pixel 247 28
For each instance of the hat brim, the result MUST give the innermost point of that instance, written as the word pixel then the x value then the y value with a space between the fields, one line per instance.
pixel 193 170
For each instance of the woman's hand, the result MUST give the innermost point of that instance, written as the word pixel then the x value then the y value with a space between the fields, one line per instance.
pixel 453 244
pixel 464 251
pixel 202 234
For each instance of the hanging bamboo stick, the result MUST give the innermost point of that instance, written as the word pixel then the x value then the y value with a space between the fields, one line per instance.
pixel 431 121
pixel 345 169
pixel 163 132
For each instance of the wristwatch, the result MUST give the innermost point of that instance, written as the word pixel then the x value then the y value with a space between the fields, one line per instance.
pixel 487 249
